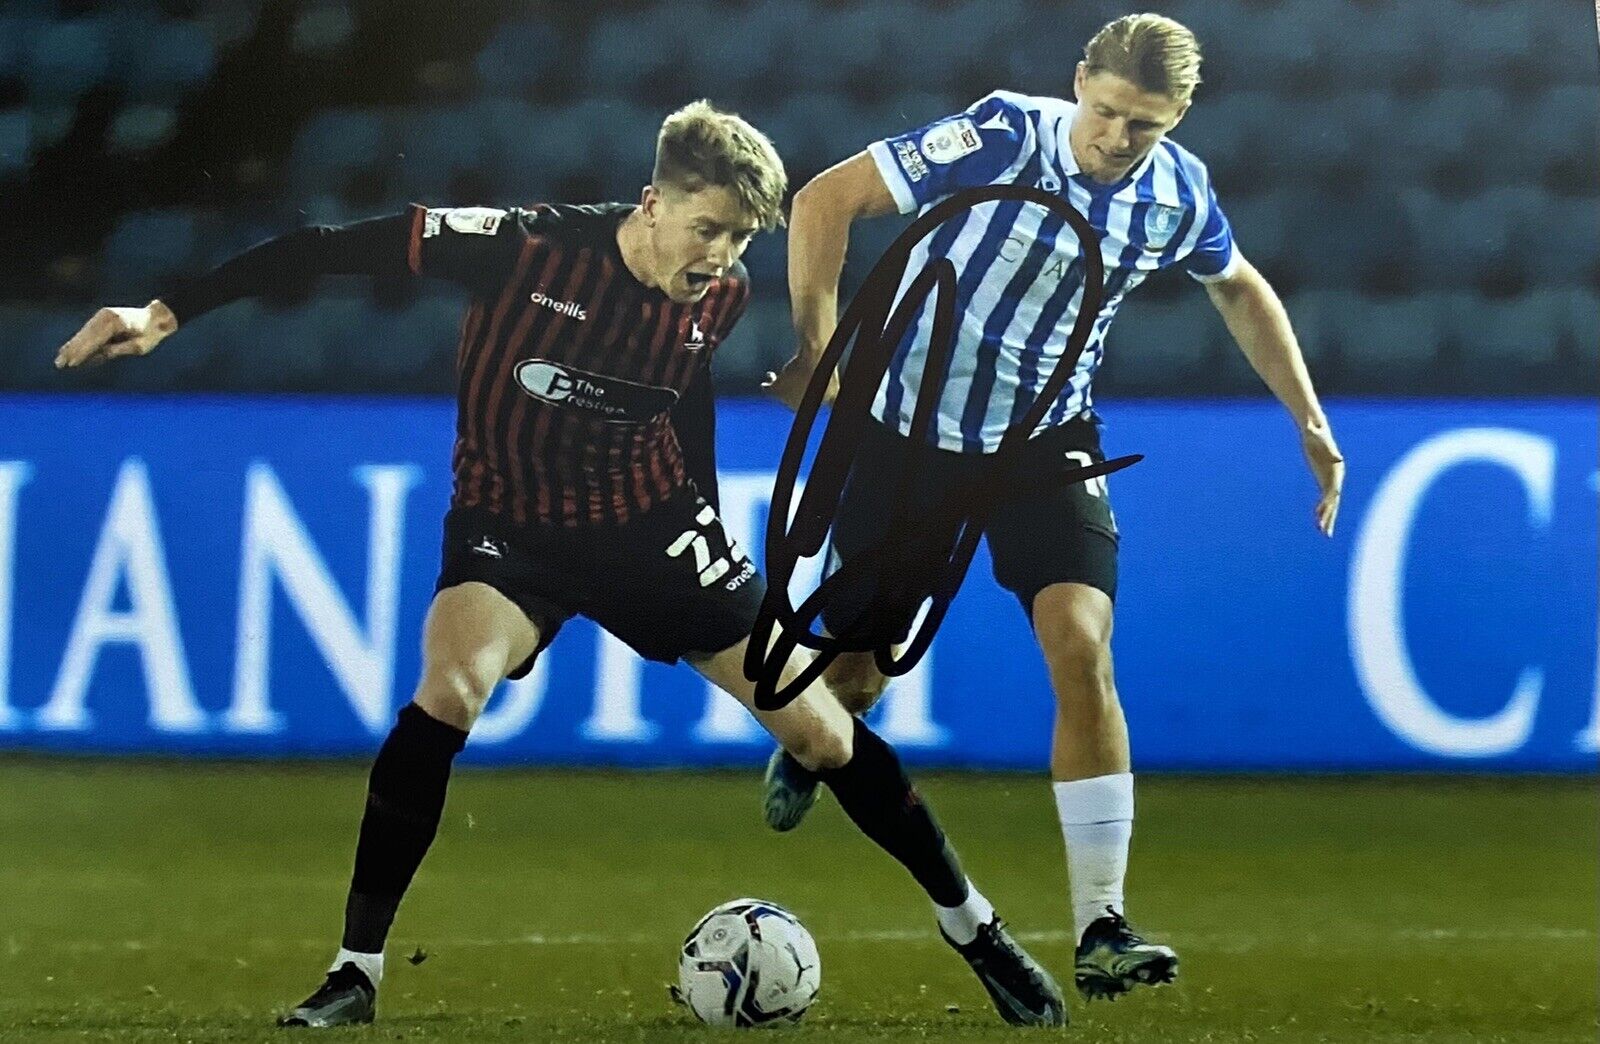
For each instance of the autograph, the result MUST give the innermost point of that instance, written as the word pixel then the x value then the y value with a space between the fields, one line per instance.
pixel 895 577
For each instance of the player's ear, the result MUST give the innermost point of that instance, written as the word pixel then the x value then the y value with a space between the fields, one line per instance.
pixel 1181 113
pixel 1079 77
pixel 650 204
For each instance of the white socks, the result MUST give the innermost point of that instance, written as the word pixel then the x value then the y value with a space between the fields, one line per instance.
pixel 1097 825
pixel 371 964
pixel 961 923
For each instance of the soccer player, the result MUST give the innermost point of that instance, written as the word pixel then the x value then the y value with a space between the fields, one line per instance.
pixel 583 356
pixel 1020 284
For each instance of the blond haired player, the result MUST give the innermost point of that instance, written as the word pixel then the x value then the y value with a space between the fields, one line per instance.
pixel 1020 284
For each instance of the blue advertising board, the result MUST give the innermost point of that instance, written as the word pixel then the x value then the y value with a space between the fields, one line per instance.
pixel 233 576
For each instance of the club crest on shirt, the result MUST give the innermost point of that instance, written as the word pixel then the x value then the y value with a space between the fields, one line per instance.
pixel 948 142
pixel 1160 222
pixel 474 221
pixel 696 339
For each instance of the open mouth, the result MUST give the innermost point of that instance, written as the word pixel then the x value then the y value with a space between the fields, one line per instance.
pixel 697 280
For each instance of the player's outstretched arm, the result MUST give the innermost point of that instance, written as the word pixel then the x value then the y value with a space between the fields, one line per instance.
pixel 819 232
pixel 1260 324
pixel 114 332
pixel 377 247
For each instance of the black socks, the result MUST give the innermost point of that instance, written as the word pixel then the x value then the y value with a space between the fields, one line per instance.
pixel 874 792
pixel 405 797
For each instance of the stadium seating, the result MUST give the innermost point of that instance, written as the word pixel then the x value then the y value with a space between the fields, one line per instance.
pixel 1430 165
pixel 1161 344
pixel 1513 334
pixel 164 61
pixel 332 145
pixel 16 133
pixel 1581 323
pixel 1317 315
pixel 146 249
pixel 432 146
pixel 65 58
pixel 517 56
pixel 762 341
pixel 1234 133
pixel 1387 340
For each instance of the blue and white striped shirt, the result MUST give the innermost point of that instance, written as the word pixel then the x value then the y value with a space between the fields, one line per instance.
pixel 1019 269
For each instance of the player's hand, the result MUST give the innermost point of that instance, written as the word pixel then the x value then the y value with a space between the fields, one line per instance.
pixel 1327 464
pixel 114 332
pixel 789 384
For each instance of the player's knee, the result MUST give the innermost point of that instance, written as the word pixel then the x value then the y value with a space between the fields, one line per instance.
pixel 455 691
pixel 823 746
pixel 855 681
pixel 1078 654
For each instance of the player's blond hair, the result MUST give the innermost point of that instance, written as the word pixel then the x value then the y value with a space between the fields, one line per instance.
pixel 699 145
pixel 1151 51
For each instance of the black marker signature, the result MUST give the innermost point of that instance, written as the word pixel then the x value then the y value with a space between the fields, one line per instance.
pixel 897 581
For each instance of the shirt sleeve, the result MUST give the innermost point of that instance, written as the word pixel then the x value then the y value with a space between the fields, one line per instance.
pixel 473 246
pixel 1213 257
pixel 291 262
pixel 985 145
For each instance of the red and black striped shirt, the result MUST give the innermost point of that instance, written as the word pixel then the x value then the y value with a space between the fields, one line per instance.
pixel 574 379
pixel 568 367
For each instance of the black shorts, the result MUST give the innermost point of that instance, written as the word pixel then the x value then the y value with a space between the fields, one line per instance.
pixel 1043 530
pixel 669 583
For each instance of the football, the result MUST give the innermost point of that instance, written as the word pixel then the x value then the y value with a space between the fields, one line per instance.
pixel 749 963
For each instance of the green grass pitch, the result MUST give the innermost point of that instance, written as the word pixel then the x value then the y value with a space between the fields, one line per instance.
pixel 161 901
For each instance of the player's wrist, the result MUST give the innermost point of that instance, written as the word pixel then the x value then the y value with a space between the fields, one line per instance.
pixel 163 320
pixel 1314 422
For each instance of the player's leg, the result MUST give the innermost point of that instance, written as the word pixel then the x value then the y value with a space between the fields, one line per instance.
pixel 677 588
pixel 858 765
pixel 1072 623
pixel 871 786
pixel 861 525
pixel 474 636
pixel 1056 548
pixel 1093 783
pixel 853 679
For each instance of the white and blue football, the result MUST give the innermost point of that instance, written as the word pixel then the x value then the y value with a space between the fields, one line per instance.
pixel 749 963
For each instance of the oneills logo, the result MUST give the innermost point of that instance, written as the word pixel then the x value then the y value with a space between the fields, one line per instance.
pixel 571 309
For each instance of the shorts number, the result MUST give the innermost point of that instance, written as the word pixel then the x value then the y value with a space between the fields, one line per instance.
pixel 1097 485
pixel 711 568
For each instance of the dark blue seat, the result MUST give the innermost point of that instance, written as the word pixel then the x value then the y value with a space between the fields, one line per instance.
pixel 66 58
pixel 518 55
pixel 1391 340
pixel 432 144
pixel 1161 344
pixel 16 140
pixel 1581 324
pixel 333 144
pixel 1515 333
pixel 166 60
pixel 145 250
